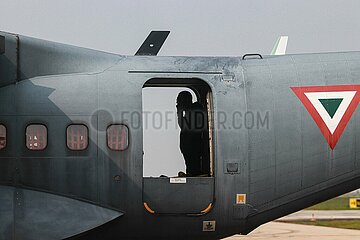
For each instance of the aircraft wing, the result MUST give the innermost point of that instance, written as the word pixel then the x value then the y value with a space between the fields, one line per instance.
pixel 39 215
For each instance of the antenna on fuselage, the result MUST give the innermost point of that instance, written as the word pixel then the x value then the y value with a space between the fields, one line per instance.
pixel 280 46
pixel 153 43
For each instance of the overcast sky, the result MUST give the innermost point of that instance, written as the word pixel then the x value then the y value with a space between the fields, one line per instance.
pixel 198 27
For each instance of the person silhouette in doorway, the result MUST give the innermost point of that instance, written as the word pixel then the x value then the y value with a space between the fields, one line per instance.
pixel 191 120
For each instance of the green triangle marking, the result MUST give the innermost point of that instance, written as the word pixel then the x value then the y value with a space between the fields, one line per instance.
pixel 331 105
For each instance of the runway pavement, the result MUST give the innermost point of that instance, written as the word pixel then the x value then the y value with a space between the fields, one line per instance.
pixel 285 231
pixel 307 215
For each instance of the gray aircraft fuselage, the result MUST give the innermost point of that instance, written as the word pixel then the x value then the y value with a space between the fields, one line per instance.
pixel 287 158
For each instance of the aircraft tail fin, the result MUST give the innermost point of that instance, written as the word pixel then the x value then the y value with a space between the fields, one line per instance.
pixel 280 46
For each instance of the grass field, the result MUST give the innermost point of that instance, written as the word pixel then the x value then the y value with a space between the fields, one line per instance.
pixel 347 224
pixel 339 203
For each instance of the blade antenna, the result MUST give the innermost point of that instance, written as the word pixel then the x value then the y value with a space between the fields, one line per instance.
pixel 280 46
pixel 153 43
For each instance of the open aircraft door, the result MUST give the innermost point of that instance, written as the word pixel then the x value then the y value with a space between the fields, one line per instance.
pixel 181 194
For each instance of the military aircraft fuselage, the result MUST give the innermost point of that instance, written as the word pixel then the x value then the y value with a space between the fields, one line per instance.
pixel 273 149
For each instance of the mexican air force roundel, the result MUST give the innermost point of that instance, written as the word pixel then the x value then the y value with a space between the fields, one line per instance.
pixel 331 107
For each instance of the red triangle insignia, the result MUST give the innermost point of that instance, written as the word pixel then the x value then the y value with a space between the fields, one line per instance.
pixel 331 107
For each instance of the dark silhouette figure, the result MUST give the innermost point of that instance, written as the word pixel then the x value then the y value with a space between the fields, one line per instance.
pixel 192 122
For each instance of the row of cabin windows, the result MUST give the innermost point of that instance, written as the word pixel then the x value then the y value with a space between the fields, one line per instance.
pixel 77 137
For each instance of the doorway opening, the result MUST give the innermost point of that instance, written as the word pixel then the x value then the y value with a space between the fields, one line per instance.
pixel 169 144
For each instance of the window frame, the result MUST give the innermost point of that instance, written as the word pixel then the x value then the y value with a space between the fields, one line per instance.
pixel 128 137
pixel 87 140
pixel 2 124
pixel 46 136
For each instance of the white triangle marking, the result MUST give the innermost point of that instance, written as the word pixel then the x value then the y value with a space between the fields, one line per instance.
pixel 331 123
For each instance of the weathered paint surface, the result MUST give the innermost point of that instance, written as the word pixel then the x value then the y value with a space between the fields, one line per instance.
pixel 280 168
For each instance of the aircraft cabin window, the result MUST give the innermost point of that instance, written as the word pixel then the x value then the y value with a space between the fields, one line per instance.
pixel 2 136
pixel 36 137
pixel 77 137
pixel 117 137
